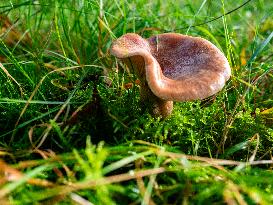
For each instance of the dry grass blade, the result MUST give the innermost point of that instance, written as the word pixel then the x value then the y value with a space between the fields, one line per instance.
pixel 49 154
pixel 4 201
pixel 142 189
pixel 88 184
pixel 80 200
pixel 12 78
pixel 120 178
pixel 232 194
pixel 9 174
pixel 140 183
pixel 100 19
pixel 11 35
pixel 257 137
pixel 30 134
pixel 212 161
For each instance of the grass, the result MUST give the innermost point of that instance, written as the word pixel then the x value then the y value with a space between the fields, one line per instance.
pixel 72 128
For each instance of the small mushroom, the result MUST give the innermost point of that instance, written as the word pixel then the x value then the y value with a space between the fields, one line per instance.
pixel 173 67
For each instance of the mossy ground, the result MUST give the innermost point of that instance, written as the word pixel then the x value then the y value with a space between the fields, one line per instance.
pixel 74 132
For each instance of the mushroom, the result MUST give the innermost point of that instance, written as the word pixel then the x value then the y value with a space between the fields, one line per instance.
pixel 173 67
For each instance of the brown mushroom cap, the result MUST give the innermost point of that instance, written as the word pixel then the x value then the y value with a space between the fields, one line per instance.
pixel 177 67
pixel 129 45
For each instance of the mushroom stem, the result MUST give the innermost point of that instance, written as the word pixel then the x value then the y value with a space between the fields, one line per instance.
pixel 149 72
pixel 157 106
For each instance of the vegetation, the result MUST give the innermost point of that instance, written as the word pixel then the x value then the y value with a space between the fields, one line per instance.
pixel 73 130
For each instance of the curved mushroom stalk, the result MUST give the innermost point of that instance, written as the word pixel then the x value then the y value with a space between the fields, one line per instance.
pixel 173 67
